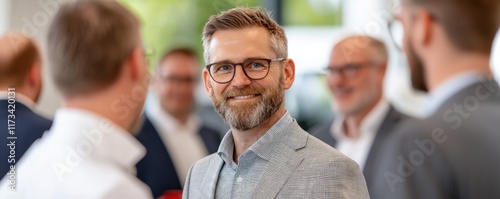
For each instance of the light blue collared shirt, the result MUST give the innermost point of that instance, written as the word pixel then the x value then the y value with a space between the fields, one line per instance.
pixel 450 87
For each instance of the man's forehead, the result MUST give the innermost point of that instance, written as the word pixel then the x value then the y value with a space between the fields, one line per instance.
pixel 350 51
pixel 239 44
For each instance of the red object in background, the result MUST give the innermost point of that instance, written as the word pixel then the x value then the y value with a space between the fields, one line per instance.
pixel 172 194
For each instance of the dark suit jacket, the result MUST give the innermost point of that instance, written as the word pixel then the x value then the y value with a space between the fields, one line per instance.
pixel 391 121
pixel 455 153
pixel 156 169
pixel 29 127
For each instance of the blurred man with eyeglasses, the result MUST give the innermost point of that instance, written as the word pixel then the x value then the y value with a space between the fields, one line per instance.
pixel 265 154
pixel 454 152
pixel 364 119
pixel 173 134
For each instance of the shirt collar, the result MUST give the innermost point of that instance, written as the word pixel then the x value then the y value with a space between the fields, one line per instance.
pixel 23 99
pixel 447 89
pixel 261 148
pixel 168 123
pixel 109 141
pixel 370 124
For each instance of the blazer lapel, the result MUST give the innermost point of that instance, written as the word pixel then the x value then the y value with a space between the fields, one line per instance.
pixel 277 173
pixel 391 120
pixel 209 183
pixel 282 164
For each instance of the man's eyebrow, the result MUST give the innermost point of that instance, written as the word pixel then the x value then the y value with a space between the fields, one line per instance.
pixel 246 59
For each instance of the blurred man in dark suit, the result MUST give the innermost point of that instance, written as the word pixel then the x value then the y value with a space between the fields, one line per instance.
pixel 454 152
pixel 20 73
pixel 364 119
pixel 174 136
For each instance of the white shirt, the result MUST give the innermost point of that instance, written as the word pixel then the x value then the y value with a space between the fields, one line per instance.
pixel 358 148
pixel 183 142
pixel 83 156
pixel 449 88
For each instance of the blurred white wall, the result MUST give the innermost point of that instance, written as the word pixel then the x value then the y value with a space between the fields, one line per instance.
pixel 4 15
pixel 495 56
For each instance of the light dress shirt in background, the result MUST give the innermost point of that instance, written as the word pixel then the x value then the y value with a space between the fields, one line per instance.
pixel 358 148
pixel 183 142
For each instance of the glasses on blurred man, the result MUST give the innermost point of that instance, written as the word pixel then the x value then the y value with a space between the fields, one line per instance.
pixel 348 71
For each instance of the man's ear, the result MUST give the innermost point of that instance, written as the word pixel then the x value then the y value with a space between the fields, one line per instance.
pixel 289 73
pixel 137 63
pixel 207 83
pixel 426 24
pixel 35 75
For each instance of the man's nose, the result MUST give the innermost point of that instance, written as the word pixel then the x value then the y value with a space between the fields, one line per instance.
pixel 240 78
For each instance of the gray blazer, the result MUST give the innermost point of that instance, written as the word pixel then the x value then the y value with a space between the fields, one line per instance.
pixel 455 153
pixel 302 167
pixel 390 123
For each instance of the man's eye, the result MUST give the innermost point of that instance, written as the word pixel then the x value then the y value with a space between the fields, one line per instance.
pixel 256 65
pixel 223 68
pixel 351 68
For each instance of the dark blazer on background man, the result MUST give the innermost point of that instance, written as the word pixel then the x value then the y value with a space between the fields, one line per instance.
pixel 29 126
pixel 389 124
pixel 454 153
pixel 156 169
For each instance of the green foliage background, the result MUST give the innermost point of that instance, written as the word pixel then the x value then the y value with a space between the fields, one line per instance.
pixel 168 24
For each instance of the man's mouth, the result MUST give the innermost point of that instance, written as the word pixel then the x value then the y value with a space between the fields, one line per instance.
pixel 243 97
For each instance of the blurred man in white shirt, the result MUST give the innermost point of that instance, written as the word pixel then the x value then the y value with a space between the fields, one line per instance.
pixel 98 64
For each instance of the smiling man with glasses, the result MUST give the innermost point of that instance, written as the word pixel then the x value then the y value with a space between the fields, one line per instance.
pixel 265 154
pixel 364 119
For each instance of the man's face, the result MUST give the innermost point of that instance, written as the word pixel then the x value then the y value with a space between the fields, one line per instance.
pixel 177 76
pixel 415 62
pixel 244 103
pixel 359 85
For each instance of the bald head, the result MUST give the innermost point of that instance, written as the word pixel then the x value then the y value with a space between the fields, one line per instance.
pixel 18 54
pixel 352 46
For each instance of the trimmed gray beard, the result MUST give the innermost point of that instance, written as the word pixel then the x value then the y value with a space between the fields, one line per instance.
pixel 246 117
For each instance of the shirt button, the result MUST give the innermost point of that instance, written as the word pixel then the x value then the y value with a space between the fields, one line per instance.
pixel 239 179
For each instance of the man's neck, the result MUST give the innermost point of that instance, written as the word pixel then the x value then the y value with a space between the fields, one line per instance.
pixel 440 70
pixel 119 113
pixel 181 118
pixel 352 122
pixel 245 139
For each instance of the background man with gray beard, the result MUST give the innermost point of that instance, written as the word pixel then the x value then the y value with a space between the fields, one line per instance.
pixel 265 154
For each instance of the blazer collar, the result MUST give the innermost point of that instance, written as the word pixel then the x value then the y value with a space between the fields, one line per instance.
pixel 209 183
pixel 283 160
pixel 282 156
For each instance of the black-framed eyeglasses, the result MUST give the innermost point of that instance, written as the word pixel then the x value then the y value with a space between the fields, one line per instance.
pixel 348 71
pixel 254 69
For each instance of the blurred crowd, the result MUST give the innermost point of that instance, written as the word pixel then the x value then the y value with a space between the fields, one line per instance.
pixel 104 143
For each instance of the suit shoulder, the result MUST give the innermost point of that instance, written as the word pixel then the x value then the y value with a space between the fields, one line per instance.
pixel 206 161
pixel 321 152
